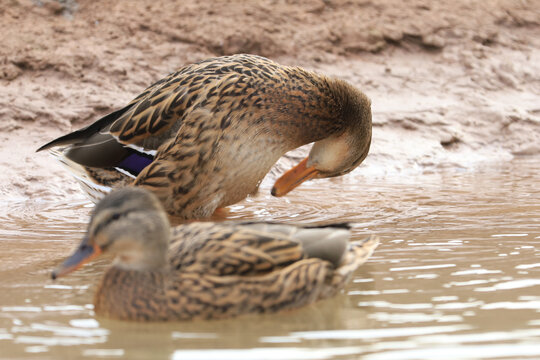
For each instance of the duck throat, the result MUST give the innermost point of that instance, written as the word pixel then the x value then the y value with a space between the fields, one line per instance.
pixel 132 295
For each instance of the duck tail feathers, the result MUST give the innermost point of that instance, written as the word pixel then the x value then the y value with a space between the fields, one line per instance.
pixel 89 185
pixel 85 132
pixel 357 254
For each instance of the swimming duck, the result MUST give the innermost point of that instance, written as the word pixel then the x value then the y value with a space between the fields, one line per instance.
pixel 206 270
pixel 205 136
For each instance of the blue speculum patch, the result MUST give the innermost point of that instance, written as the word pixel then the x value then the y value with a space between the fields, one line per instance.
pixel 135 162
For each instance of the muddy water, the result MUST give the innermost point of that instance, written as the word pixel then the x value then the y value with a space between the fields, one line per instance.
pixel 457 275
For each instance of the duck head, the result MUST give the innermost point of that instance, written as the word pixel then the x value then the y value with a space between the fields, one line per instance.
pixel 129 223
pixel 339 153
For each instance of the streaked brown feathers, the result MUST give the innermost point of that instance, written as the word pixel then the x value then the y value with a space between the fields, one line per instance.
pixel 208 270
pixel 225 122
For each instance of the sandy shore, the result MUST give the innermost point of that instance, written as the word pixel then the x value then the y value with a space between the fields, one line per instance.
pixel 452 85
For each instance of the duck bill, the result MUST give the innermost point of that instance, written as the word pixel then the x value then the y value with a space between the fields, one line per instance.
pixel 81 256
pixel 293 178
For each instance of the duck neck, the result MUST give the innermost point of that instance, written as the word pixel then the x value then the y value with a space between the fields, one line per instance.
pixel 132 294
pixel 324 107
pixel 354 109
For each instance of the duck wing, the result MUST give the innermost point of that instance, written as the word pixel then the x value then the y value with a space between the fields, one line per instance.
pixel 140 127
pixel 224 270
pixel 155 111
pixel 252 249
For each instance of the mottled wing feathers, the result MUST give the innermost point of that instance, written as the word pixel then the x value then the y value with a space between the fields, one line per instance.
pixel 215 249
pixel 157 109
pixel 161 106
pixel 164 103
pixel 323 242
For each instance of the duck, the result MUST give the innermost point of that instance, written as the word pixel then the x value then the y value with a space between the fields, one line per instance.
pixel 208 270
pixel 204 137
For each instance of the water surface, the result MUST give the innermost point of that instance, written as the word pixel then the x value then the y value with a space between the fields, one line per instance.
pixel 456 276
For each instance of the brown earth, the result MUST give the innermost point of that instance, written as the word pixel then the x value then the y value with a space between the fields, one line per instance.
pixel 453 84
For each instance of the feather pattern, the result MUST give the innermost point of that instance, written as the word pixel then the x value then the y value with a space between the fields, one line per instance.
pixel 206 270
pixel 212 130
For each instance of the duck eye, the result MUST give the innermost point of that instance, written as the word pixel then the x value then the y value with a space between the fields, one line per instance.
pixel 115 216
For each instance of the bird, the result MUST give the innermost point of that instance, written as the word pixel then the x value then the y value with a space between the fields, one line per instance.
pixel 204 137
pixel 206 270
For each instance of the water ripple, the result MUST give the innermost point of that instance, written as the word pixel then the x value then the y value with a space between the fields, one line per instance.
pixel 459 251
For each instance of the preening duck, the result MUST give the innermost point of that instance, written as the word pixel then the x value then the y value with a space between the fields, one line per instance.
pixel 205 136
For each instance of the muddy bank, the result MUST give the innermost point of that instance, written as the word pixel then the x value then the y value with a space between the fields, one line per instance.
pixel 452 85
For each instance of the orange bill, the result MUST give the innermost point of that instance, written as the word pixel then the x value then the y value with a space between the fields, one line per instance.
pixel 293 178
pixel 81 256
pixel 221 213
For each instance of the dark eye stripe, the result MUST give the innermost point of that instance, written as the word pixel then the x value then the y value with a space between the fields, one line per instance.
pixel 112 218
pixel 106 245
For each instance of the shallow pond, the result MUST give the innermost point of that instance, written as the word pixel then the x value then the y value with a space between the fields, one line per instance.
pixel 456 276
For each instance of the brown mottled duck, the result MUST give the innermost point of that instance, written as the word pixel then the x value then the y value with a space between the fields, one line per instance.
pixel 204 137
pixel 208 270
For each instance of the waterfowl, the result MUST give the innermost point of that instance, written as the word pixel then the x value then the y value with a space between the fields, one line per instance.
pixel 208 270
pixel 204 137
